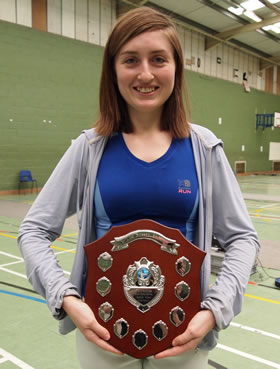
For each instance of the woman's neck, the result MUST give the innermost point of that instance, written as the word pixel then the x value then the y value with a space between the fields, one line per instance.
pixel 145 123
pixel 148 145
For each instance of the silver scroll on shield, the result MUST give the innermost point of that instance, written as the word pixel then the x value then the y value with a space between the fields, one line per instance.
pixel 166 244
pixel 143 284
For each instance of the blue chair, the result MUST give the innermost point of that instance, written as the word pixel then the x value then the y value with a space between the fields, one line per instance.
pixel 26 176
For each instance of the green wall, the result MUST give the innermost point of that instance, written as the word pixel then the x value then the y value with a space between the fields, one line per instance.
pixel 49 93
pixel 43 77
pixel 212 98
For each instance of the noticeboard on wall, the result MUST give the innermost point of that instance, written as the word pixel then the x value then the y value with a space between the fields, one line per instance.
pixel 274 151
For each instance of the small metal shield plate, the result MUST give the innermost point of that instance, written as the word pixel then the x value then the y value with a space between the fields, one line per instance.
pixel 143 285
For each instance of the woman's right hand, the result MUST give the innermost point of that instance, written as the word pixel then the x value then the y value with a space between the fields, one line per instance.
pixel 84 319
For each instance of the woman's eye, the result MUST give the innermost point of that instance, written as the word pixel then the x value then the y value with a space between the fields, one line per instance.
pixel 130 61
pixel 159 59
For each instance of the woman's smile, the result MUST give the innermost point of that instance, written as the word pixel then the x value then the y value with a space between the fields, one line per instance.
pixel 146 90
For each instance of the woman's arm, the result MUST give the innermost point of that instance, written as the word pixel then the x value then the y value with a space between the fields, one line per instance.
pixel 44 222
pixel 234 230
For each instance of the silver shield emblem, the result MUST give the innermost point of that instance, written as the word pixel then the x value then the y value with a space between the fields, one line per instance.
pixel 143 284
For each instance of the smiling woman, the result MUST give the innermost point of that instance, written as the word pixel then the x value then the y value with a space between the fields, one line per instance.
pixel 143 160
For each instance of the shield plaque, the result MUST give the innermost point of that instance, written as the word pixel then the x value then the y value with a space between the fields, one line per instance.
pixel 143 285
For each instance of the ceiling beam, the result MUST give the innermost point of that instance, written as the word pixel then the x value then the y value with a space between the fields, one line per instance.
pixel 275 8
pixel 227 35
pixel 237 18
pixel 264 64
pixel 222 10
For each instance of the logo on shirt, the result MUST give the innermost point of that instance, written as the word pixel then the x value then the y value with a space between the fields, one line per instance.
pixel 184 186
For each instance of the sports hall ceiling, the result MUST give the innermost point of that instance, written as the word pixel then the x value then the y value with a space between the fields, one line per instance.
pixel 229 21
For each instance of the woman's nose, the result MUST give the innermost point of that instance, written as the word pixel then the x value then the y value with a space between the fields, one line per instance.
pixel 145 73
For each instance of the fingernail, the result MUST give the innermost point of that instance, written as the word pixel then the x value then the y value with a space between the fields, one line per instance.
pixel 107 336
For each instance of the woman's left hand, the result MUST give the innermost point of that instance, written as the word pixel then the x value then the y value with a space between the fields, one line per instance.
pixel 197 328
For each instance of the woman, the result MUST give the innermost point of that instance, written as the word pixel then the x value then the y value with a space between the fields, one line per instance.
pixel 143 160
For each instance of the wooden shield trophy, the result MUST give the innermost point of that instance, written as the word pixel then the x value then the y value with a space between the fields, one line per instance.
pixel 143 285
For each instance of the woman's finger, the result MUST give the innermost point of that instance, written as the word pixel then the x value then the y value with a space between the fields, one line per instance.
pixel 176 350
pixel 97 340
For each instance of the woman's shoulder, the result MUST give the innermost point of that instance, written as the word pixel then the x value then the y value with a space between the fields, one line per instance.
pixel 89 134
pixel 87 137
pixel 205 135
pixel 81 144
pixel 92 136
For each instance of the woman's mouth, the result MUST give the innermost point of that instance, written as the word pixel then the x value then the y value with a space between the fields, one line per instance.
pixel 145 90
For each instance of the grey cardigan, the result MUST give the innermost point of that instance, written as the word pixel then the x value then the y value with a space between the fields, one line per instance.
pixel 70 189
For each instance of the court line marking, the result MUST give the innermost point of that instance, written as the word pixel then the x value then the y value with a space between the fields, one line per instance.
pixel 69 235
pixel 7 235
pixel 11 256
pixel 269 218
pixel 23 296
pixel 52 246
pixel 263 184
pixel 264 214
pixel 13 272
pixel 64 252
pixel 62 249
pixel 262 299
pixel 23 275
pixel 249 356
pixel 255 330
pixel 269 206
pixel 13 263
pixel 9 357
pixel 20 260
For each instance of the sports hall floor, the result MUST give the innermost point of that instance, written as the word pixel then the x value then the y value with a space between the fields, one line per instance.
pixel 29 337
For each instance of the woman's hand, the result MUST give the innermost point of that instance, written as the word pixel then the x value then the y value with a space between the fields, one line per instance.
pixel 197 328
pixel 84 318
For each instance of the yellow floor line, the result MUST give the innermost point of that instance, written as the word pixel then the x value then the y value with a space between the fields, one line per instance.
pixel 14 237
pixel 7 235
pixel 69 235
pixel 52 246
pixel 61 249
pixel 262 299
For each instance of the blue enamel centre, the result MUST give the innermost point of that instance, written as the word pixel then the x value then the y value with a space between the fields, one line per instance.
pixel 143 273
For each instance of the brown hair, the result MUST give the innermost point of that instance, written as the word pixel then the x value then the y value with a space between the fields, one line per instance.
pixel 114 115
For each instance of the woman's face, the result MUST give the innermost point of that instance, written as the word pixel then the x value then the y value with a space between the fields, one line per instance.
pixel 145 70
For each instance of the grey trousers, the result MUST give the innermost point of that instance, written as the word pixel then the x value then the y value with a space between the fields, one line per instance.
pixel 93 357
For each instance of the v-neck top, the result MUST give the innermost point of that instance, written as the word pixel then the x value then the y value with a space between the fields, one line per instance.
pixel 164 190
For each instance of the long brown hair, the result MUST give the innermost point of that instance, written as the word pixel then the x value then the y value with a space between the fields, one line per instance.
pixel 114 115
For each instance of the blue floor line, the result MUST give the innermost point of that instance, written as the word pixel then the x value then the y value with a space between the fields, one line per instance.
pixel 23 296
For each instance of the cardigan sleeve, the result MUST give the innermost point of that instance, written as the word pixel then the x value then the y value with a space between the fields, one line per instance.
pixel 234 230
pixel 44 222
